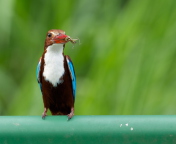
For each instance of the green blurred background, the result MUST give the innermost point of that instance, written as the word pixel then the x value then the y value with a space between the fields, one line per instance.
pixel 125 62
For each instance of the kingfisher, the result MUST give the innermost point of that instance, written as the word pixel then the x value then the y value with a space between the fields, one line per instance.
pixel 56 75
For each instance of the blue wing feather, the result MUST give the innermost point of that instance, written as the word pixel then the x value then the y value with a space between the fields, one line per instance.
pixel 72 74
pixel 38 74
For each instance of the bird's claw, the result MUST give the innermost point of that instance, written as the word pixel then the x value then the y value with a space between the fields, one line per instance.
pixel 44 113
pixel 43 116
pixel 70 116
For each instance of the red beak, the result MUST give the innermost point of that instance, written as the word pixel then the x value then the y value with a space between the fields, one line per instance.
pixel 61 38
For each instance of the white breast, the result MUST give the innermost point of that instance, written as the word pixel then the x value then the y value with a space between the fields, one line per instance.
pixel 54 64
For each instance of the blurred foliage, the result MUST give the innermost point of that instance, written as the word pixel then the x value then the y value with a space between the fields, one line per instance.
pixel 125 62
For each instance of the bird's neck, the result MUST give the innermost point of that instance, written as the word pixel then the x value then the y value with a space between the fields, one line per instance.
pixel 54 64
pixel 55 48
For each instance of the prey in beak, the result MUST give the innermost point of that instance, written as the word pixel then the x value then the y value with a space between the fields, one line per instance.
pixel 62 39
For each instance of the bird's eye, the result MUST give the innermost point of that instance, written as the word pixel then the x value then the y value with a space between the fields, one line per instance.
pixel 49 34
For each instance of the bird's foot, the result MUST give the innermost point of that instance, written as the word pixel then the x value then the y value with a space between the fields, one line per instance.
pixel 71 114
pixel 44 113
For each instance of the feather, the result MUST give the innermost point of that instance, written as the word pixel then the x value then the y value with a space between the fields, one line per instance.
pixel 72 75
pixel 56 76
pixel 38 74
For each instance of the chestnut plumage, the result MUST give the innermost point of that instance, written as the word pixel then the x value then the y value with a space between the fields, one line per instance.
pixel 56 76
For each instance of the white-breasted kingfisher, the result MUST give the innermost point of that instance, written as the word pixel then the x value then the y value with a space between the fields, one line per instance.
pixel 56 75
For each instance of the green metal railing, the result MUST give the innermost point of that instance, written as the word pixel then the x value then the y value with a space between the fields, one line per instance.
pixel 88 129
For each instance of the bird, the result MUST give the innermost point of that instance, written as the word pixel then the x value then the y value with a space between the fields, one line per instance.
pixel 56 75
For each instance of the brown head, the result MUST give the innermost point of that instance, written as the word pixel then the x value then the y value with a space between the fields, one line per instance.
pixel 56 36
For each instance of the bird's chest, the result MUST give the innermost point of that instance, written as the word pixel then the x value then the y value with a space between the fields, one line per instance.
pixel 53 67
